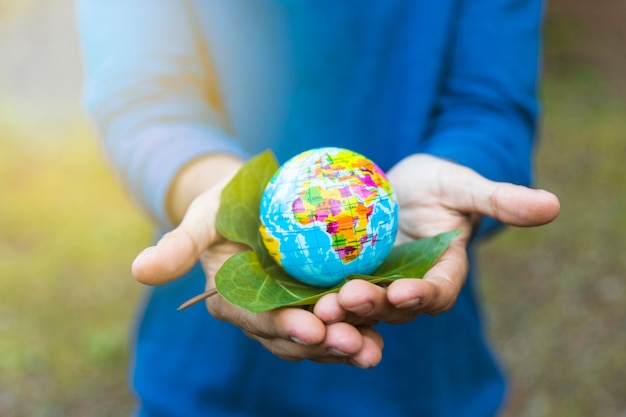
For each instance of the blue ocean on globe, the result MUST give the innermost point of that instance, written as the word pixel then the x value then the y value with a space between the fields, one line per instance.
pixel 329 213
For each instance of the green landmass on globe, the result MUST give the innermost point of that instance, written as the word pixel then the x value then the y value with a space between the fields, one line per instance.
pixel 328 213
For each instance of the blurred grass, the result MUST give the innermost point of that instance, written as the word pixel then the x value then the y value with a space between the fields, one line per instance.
pixel 67 238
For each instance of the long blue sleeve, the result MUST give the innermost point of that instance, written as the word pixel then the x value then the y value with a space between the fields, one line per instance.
pixel 486 116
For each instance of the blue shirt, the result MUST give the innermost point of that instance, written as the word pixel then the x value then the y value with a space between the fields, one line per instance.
pixel 167 81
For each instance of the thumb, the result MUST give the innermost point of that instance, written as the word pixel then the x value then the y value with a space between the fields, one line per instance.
pixel 512 204
pixel 177 251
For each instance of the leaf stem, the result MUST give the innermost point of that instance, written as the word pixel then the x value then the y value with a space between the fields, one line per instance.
pixel 197 298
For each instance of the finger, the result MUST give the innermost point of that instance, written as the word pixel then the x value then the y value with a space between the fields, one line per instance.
pixel 177 251
pixel 371 352
pixel 438 290
pixel 343 344
pixel 347 344
pixel 373 335
pixel 292 324
pixel 328 309
pixel 294 352
pixel 364 299
pixel 509 203
pixel 343 340
pixel 359 303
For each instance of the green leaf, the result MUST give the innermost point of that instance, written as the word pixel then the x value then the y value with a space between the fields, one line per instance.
pixel 245 283
pixel 412 259
pixel 253 281
pixel 238 214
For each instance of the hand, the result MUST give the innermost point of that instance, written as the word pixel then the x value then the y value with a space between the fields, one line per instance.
pixel 290 333
pixel 435 196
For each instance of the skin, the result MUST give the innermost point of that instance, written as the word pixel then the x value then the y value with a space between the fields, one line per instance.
pixel 434 196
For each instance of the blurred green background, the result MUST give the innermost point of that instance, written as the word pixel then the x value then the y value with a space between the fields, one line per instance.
pixel 555 296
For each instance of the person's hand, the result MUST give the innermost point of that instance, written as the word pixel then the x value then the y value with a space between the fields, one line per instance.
pixel 289 333
pixel 435 196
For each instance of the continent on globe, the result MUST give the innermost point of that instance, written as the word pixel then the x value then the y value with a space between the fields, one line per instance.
pixel 328 213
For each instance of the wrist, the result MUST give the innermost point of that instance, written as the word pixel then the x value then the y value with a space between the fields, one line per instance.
pixel 197 176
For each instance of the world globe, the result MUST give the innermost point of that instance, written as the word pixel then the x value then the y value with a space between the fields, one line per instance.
pixel 328 213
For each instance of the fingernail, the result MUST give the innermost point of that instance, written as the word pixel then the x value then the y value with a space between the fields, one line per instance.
pixel 335 320
pixel 410 303
pixel 362 365
pixel 337 353
pixel 298 341
pixel 362 308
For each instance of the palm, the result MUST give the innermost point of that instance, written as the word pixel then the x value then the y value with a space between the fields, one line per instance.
pixel 426 209
pixel 435 196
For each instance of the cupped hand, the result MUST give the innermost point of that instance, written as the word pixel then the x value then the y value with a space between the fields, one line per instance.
pixel 435 196
pixel 289 333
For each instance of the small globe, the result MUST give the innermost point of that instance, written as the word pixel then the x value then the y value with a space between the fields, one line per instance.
pixel 328 213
